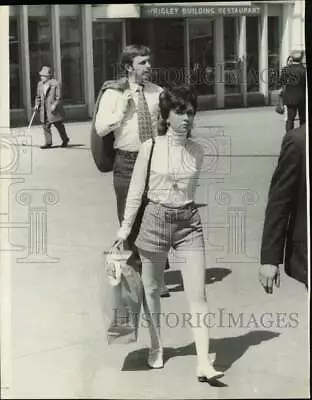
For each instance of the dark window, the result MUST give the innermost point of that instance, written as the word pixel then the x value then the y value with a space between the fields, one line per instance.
pixel 15 61
pixel 107 47
pixel 232 70
pixel 165 38
pixel 202 60
pixel 40 48
pixel 274 52
pixel 71 54
pixel 252 38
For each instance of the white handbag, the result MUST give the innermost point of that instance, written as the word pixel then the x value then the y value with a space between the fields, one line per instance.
pixel 114 260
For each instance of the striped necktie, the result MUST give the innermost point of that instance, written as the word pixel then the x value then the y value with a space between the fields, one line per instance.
pixel 144 117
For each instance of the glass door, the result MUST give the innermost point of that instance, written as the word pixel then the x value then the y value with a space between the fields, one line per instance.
pixel 202 57
pixel 40 42
pixel 232 65
pixel 252 42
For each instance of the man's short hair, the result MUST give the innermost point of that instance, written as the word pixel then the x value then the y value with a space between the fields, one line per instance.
pixel 132 51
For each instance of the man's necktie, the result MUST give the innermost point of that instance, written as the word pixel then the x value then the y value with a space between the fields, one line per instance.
pixel 144 117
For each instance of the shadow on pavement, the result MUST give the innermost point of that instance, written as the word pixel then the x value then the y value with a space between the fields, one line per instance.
pixel 68 146
pixel 228 351
pixel 212 275
pixel 56 146
pixel 199 205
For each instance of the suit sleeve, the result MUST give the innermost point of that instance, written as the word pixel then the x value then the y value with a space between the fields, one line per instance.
pixel 58 94
pixel 110 114
pixel 283 77
pixel 282 195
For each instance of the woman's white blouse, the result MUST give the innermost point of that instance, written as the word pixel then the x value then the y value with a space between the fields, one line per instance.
pixel 175 168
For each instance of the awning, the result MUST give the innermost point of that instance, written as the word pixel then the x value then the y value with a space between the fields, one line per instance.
pixel 115 11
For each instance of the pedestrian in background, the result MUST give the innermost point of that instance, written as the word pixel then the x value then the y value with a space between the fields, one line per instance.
pixel 293 86
pixel 284 238
pixel 171 221
pixel 132 113
pixel 49 103
pixel 288 62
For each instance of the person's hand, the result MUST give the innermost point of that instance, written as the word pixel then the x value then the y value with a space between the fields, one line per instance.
pixel 36 108
pixel 123 233
pixel 126 99
pixel 53 108
pixel 268 275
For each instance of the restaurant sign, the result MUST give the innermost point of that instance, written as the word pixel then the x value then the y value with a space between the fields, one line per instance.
pixel 196 11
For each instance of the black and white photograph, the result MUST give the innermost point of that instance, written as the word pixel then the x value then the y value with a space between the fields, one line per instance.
pixel 154 218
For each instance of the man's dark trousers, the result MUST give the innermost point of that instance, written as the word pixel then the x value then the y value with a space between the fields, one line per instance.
pixel 123 169
pixel 291 115
pixel 47 130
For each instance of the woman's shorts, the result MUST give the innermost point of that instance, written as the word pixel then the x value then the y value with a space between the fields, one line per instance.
pixel 165 227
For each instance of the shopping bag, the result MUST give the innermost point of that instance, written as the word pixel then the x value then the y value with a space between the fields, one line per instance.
pixel 279 108
pixel 124 296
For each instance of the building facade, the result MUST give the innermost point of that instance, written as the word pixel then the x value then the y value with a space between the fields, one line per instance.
pixel 231 52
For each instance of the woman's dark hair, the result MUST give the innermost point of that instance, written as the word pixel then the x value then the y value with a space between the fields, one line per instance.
pixel 176 98
pixel 289 58
pixel 131 51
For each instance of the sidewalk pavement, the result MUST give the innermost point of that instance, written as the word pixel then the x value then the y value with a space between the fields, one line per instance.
pixel 59 348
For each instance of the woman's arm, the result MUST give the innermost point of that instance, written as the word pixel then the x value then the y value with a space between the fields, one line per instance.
pixel 136 190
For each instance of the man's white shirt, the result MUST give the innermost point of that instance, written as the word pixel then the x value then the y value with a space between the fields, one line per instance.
pixel 126 130
pixel 45 87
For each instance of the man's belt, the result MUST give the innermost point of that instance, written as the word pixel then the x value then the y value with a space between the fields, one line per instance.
pixel 127 154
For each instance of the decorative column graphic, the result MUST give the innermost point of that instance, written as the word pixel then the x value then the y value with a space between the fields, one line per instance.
pixel 16 160
pixel 37 201
pixel 208 226
pixel 216 166
pixel 5 224
pixel 237 223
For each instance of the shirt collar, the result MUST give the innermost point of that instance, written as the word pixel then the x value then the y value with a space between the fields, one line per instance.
pixel 135 86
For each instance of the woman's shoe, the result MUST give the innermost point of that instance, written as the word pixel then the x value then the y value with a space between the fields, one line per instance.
pixel 208 374
pixel 155 358
pixel 164 291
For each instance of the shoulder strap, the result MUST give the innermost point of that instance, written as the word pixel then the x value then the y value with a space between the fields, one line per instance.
pixel 149 168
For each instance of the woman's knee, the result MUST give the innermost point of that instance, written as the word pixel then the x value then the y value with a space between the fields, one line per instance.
pixel 151 289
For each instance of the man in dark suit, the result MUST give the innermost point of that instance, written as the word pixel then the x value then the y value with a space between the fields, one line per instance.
pixel 285 226
pixel 49 103
pixel 293 82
